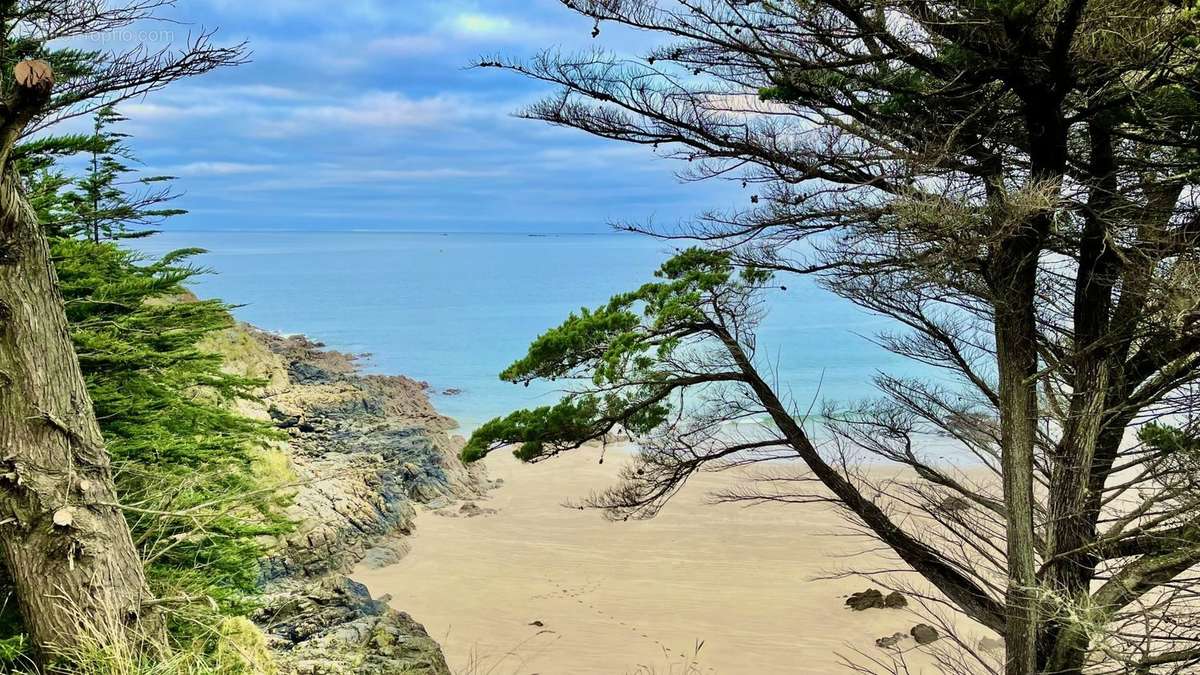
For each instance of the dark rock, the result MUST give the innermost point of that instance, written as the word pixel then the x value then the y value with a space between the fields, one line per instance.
pixel 335 627
pixel 472 510
pixel 925 634
pixel 864 600
pixel 283 419
pixel 890 641
pixel 386 554
pixel 539 624
pixel 451 392
pixel 363 450
pixel 895 600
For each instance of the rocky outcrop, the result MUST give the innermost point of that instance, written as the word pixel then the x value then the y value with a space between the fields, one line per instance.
pixel 334 626
pixel 361 451
pixel 925 634
pixel 891 641
pixel 873 598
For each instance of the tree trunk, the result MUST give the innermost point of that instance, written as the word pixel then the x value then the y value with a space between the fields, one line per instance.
pixel 1017 360
pixel 77 573
pixel 1017 424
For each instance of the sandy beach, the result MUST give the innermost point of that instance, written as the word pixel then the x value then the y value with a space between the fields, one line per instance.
pixel 539 588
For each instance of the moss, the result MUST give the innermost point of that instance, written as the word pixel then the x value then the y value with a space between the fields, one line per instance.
pixel 242 649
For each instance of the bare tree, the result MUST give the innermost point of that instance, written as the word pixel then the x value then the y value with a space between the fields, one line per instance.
pixel 66 545
pixel 1014 183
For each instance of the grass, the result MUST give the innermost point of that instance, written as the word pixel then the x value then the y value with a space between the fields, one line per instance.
pixel 241 649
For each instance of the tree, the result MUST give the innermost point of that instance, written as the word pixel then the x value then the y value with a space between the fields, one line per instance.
pixel 102 204
pixel 188 468
pixel 1014 183
pixel 65 542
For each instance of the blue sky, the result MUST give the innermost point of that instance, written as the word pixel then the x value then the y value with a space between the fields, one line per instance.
pixel 360 114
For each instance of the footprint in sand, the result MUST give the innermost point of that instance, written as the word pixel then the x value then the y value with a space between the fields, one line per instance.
pixel 576 593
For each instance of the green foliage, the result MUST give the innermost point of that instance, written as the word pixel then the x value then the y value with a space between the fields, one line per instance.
pixel 187 466
pixel 1180 447
pixel 243 649
pixel 625 350
pixel 107 201
pixel 163 406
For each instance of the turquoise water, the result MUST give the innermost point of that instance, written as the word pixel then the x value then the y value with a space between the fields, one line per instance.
pixel 455 309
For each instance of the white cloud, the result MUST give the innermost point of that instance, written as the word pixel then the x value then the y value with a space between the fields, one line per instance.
pixel 482 24
pixel 405 45
pixel 141 111
pixel 265 91
pixel 276 9
pixel 375 110
pixel 492 28
pixel 219 169
pixel 424 174
pixel 338 176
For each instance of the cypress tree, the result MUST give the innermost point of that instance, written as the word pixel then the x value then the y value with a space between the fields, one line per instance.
pixel 188 468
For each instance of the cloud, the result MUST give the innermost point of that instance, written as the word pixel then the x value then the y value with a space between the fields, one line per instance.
pixel 341 176
pixel 219 169
pixel 405 45
pixel 387 109
pixel 424 174
pixel 494 28
pixel 141 111
pixel 281 9
pixel 378 111
pixel 484 25
pixel 365 108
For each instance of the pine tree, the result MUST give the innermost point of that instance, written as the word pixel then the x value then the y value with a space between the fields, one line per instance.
pixel 187 467
pixel 67 532
pixel 104 204
pixel 1015 187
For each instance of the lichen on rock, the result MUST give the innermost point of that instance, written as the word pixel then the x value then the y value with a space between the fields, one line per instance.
pixel 361 450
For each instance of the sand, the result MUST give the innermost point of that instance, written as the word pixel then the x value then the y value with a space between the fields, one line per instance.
pixel 635 597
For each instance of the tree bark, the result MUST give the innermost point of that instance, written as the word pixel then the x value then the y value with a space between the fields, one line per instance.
pixel 77 573
pixel 1018 414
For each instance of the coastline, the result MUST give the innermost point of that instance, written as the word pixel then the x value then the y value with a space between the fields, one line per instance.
pixel 358 452
pixel 527 584
pixel 500 576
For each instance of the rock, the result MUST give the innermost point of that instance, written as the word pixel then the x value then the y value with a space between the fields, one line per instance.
pixel 925 634
pixel 472 510
pixel 991 644
pixel 873 598
pixel 451 392
pixel 334 627
pixel 890 641
pixel 864 600
pixel 362 449
pixel 539 624
pixel 385 554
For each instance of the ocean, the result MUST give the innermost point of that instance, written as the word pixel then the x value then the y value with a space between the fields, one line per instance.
pixel 455 309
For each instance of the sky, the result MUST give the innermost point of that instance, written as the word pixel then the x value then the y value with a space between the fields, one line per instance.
pixel 362 114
